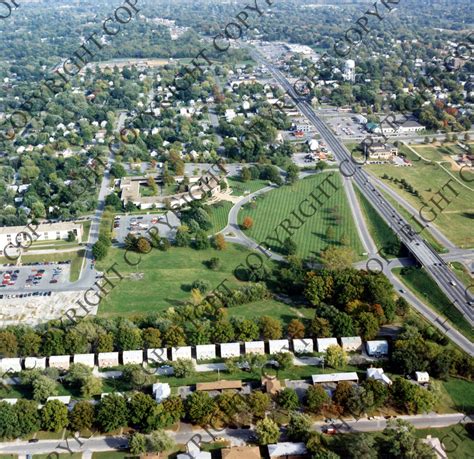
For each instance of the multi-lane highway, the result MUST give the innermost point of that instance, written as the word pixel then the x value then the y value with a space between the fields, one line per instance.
pixel 461 298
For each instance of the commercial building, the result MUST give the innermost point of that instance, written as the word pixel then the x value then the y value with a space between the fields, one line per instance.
pixel 335 377
pixel 219 386
pixel 381 151
pixel 44 232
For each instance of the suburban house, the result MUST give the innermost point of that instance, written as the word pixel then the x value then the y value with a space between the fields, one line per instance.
pixel 379 375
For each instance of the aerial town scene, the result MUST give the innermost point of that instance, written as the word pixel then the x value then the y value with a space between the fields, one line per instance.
pixel 236 229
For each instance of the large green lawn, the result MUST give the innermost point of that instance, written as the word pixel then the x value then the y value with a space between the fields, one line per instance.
pixel 456 440
pixel 274 207
pixel 425 288
pixel 455 221
pixel 462 394
pixel 164 278
pixel 239 188
pixel 219 216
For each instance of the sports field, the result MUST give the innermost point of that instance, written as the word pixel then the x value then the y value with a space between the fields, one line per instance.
pixel 455 221
pixel 312 237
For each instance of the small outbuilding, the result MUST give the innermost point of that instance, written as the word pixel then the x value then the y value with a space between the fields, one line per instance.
pixel 161 391
pixel 255 347
pixel 228 350
pixel 324 343
pixel 422 376
pixel 303 346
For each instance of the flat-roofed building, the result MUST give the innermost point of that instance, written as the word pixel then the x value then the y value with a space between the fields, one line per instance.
pixel 108 359
pixel 228 350
pixel 303 346
pixel 324 343
pixel 380 150
pixel 61 362
pixel 287 450
pixel 10 365
pixel 205 351
pixel 157 355
pixel 10 401
pixel 377 348
pixel 219 385
pixel 32 363
pixel 181 353
pixel 43 232
pixel 255 347
pixel 132 357
pixel 351 343
pixel 278 345
pixel 194 455
pixel 86 359
pixel 335 377
pixel 65 399
pixel 241 452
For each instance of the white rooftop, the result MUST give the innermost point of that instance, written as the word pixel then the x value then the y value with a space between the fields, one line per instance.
pixel 335 377
pixel 286 449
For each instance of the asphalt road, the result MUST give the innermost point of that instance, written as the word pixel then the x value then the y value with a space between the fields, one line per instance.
pixel 421 250
pixel 235 436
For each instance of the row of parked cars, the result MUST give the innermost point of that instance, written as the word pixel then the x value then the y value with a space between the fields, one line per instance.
pixel 9 277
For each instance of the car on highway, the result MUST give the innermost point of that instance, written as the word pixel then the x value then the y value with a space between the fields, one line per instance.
pixel 453 283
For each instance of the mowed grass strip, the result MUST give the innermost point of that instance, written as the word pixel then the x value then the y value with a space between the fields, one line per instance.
pixel 425 288
pixel 455 221
pixel 163 279
pixel 277 205
pixel 381 233
pixel 239 187
pixel 219 216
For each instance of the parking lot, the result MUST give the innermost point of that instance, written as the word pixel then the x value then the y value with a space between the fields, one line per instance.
pixel 346 126
pixel 38 277
pixel 138 225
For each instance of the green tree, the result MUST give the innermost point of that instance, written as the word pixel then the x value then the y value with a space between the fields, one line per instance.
pixel 337 258
pixel 159 441
pixel 43 387
pixel 182 238
pixel 259 403
pixel 285 360
pixel 54 416
pixel 8 422
pixel 112 412
pixel 91 386
pixel 8 344
pixel 151 338
pixel 81 417
pixel 400 441
pixel 335 357
pixel 316 398
pixel 28 416
pixel 245 330
pixel 199 407
pixel 289 246
pixel 137 444
pixel 342 394
pixel 99 250
pixel 136 376
pixel 183 368
pixel 296 329
pixel 362 445
pixel 299 427
pixel 139 407
pixel 223 332
pixel 174 336
pixel 267 431
pixel 368 325
pixel 292 174
pixel 288 399
pixel 270 328
pixel 245 174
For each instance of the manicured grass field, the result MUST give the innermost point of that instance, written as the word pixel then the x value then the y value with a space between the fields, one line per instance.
pixel 462 394
pixel 277 205
pixel 239 187
pixel 437 152
pixel 219 216
pixel 428 179
pixel 381 233
pixel 428 291
pixel 164 278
